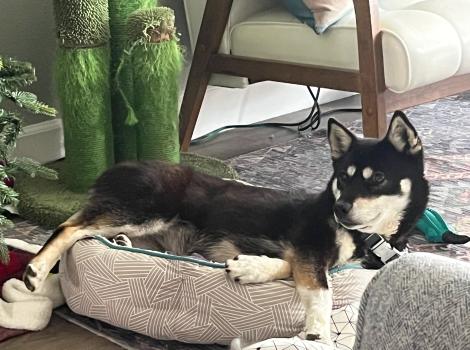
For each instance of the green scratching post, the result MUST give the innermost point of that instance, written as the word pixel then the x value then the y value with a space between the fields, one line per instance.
pixel 125 136
pixel 156 61
pixel 83 87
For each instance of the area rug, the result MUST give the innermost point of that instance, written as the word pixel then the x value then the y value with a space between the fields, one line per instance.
pixel 303 164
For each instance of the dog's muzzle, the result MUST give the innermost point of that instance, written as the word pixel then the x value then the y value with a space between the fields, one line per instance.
pixel 383 250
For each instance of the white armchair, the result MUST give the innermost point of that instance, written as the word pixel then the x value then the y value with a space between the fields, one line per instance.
pixel 395 53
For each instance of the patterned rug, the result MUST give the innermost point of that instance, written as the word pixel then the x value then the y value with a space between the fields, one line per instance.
pixel 304 164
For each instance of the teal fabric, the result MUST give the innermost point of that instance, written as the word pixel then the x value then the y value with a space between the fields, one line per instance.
pixel 351 266
pixel 169 256
pixel 433 226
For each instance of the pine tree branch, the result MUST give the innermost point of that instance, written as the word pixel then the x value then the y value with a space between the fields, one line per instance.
pixel 10 127
pixel 15 74
pixel 31 168
pixel 29 101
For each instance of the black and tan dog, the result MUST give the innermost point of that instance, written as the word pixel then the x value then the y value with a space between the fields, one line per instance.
pixel 378 186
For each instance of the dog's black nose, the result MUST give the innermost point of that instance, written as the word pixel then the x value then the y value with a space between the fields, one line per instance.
pixel 342 208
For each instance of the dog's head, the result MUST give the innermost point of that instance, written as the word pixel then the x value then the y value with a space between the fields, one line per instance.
pixel 378 185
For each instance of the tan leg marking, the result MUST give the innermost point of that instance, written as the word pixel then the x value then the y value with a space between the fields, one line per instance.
pixel 316 299
pixel 70 232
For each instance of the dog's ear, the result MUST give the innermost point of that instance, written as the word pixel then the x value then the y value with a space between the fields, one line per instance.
pixel 402 135
pixel 340 139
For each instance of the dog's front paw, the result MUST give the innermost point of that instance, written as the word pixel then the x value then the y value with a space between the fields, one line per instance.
pixel 317 322
pixel 321 336
pixel 34 275
pixel 255 269
pixel 318 338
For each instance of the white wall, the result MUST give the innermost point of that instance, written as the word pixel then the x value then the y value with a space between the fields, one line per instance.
pixel 27 33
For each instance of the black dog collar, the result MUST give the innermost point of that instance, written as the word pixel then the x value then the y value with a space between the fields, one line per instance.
pixel 383 250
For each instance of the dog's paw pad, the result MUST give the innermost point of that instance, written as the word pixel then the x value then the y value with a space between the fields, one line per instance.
pixel 122 240
pixel 312 336
pixel 34 277
pixel 318 338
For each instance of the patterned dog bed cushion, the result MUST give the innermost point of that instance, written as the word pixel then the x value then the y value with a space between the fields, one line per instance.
pixel 191 301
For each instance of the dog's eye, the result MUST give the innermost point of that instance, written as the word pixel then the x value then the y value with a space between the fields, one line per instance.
pixel 378 177
pixel 343 176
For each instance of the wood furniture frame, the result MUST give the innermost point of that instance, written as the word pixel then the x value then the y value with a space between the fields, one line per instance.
pixel 369 80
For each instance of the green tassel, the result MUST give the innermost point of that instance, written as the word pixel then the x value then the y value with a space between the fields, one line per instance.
pixel 125 134
pixel 131 117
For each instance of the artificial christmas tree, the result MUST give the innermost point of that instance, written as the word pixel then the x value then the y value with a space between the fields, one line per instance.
pixel 13 76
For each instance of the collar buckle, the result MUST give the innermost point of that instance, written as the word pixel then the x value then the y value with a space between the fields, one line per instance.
pixel 381 248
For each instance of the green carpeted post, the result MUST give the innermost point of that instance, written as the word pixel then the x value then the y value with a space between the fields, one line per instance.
pixel 125 135
pixel 156 61
pixel 83 88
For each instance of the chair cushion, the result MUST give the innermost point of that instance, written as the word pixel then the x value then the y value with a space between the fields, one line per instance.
pixel 456 12
pixel 423 43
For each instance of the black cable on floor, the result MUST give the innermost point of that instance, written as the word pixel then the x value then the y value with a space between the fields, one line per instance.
pixel 312 121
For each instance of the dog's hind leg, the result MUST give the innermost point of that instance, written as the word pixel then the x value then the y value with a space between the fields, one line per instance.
pixel 61 239
pixel 71 231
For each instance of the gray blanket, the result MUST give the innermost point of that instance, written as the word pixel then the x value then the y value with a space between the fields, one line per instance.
pixel 420 301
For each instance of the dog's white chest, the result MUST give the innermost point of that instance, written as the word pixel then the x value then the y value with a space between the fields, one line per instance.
pixel 346 246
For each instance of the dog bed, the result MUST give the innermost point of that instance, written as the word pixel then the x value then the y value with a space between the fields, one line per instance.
pixel 186 298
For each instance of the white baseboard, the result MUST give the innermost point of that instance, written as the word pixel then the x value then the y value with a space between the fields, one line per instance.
pixel 43 141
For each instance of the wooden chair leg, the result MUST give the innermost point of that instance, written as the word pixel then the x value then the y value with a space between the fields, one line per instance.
pixel 371 69
pixel 374 117
pixel 213 25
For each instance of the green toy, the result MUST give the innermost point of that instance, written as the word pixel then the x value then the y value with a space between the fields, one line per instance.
pixel 125 136
pixel 156 59
pixel 83 88
pixel 436 230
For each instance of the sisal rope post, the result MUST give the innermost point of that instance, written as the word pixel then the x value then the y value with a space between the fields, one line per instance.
pixel 156 60
pixel 83 87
